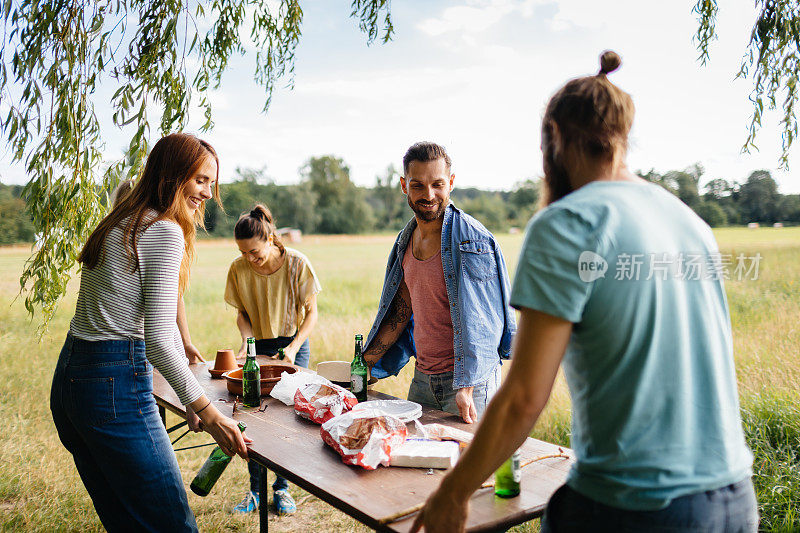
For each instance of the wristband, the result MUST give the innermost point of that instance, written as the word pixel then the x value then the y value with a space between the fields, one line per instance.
pixel 206 405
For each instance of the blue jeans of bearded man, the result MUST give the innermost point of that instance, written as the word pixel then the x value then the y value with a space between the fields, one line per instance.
pixel 436 391
pixel 301 359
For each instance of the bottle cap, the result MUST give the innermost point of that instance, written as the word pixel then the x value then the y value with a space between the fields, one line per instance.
pixel 359 337
pixel 242 426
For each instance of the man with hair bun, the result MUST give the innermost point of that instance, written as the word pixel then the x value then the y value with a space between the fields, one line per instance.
pixel 445 297
pixel 648 359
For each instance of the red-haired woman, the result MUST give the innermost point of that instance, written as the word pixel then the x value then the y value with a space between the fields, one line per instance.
pixel 134 267
pixel 646 350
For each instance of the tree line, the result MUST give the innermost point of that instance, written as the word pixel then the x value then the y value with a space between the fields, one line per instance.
pixel 327 201
pixel 722 202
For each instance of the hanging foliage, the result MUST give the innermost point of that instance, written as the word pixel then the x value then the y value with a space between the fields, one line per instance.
pixel 158 54
pixel 772 61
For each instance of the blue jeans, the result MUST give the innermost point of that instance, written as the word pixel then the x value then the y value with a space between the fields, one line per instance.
pixel 436 391
pixel 731 509
pixel 256 470
pixel 106 417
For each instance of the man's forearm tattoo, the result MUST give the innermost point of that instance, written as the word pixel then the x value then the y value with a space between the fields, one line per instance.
pixel 399 314
pixel 377 347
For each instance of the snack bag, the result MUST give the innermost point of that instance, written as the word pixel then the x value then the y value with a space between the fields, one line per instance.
pixel 365 437
pixel 320 402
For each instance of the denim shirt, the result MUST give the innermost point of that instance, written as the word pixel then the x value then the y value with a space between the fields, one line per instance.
pixel 478 290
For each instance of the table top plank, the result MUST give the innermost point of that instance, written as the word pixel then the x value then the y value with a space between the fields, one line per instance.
pixel 292 446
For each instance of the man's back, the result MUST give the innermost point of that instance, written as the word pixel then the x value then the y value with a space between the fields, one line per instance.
pixel 650 365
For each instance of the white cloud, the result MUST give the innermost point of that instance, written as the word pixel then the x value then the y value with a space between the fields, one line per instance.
pixel 467 18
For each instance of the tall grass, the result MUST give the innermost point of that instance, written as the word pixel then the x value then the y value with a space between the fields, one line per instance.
pixel 41 491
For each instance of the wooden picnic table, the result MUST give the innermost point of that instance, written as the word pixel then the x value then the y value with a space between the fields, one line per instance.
pixel 292 447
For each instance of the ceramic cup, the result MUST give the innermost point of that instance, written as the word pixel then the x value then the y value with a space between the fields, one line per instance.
pixel 225 360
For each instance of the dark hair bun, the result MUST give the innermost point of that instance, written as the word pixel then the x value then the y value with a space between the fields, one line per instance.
pixel 609 62
pixel 261 212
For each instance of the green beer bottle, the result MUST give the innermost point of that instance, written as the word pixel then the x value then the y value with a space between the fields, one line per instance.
pixel 251 377
pixel 507 477
pixel 358 372
pixel 211 470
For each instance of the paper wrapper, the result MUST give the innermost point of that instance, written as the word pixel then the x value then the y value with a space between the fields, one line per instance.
pixel 364 438
pixel 320 402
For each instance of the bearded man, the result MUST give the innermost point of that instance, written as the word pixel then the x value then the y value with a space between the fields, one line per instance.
pixel 445 297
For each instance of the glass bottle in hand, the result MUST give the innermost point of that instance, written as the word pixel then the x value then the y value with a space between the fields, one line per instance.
pixel 212 469
pixel 251 377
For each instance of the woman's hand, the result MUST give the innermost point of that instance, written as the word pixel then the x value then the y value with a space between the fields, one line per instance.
pixel 291 352
pixel 242 350
pixel 193 421
pixel 224 431
pixel 193 354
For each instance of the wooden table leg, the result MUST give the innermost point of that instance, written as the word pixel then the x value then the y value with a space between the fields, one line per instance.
pixel 162 411
pixel 263 501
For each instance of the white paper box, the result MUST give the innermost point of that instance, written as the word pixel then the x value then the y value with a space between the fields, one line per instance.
pixel 418 453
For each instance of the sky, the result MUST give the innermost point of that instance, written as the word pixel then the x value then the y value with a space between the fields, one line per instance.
pixel 475 76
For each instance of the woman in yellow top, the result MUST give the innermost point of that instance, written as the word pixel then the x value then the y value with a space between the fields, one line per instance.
pixel 274 290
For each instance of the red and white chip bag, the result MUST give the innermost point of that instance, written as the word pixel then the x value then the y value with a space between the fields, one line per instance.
pixel 320 402
pixel 365 437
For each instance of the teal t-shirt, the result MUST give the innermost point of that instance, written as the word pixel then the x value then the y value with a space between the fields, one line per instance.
pixel 650 370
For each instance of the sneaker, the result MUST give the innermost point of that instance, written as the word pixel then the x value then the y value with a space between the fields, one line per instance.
pixel 284 503
pixel 248 505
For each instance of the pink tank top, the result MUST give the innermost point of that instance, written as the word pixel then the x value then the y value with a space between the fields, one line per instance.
pixel 433 328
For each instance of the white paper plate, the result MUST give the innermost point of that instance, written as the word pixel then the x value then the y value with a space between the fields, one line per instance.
pixel 402 409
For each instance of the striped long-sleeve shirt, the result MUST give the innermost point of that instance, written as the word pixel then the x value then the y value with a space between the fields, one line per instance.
pixel 115 302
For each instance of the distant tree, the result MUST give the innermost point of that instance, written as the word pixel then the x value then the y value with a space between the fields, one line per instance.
pixel 758 197
pixel 329 178
pixel 712 213
pixel 489 209
pixel 167 55
pixel 717 189
pixel 686 186
pixel 732 213
pixel 788 209
pixel 682 183
pixel 664 180
pixel 523 201
pixel 772 60
pixel 295 206
pixel 389 203
pixel 342 206
pixel 15 225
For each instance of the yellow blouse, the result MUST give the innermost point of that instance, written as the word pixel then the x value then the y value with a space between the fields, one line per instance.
pixel 274 302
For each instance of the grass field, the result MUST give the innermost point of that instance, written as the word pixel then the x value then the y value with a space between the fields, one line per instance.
pixel 40 489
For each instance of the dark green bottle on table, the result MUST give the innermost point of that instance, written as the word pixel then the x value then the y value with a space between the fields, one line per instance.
pixel 251 377
pixel 507 477
pixel 358 372
pixel 212 469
